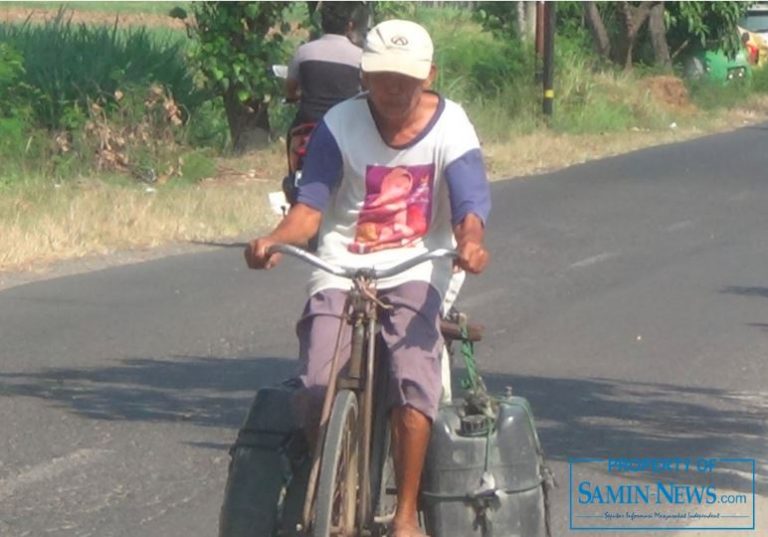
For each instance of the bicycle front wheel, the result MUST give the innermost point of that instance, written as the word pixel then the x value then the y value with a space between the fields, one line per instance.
pixel 336 499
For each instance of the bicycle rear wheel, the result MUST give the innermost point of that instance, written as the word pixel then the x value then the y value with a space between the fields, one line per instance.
pixel 336 499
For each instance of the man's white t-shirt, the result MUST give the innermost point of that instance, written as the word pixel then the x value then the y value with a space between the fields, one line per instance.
pixel 383 204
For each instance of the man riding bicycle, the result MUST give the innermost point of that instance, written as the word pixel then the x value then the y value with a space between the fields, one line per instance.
pixel 388 175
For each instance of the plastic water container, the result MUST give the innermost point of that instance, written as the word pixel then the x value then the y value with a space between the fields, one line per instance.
pixel 485 476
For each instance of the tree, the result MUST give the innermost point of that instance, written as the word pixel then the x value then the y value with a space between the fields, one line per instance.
pixel 596 27
pixel 501 18
pixel 617 42
pixel 658 30
pixel 517 20
pixel 235 44
pixel 616 27
pixel 705 24
pixel 632 17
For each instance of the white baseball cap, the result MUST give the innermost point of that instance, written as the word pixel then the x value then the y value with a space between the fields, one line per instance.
pixel 398 46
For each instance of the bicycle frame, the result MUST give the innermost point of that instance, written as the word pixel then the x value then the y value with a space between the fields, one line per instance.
pixel 361 312
pixel 360 380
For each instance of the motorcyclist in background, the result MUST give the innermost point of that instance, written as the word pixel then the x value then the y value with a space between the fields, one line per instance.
pixel 325 71
pixel 322 73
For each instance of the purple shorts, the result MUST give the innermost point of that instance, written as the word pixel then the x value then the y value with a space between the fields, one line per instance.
pixel 410 332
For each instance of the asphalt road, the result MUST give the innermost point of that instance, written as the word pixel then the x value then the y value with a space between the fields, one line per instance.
pixel 627 299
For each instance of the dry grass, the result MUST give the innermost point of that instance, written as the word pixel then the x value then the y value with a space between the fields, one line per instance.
pixel 544 151
pixel 48 223
pixel 756 109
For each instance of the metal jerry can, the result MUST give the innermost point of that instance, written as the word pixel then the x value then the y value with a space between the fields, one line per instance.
pixel 485 473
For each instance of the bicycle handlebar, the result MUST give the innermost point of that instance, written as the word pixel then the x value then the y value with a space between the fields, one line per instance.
pixel 350 272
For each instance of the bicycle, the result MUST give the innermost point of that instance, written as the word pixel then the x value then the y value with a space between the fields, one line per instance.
pixel 351 472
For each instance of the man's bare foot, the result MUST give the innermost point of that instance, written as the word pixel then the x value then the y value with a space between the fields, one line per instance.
pixel 406 529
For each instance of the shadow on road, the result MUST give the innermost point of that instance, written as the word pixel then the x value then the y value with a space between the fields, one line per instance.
pixel 604 418
pixel 220 244
pixel 746 291
pixel 595 417
pixel 214 392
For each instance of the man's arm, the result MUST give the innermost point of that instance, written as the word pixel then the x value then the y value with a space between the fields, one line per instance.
pixel 470 198
pixel 323 168
pixel 300 224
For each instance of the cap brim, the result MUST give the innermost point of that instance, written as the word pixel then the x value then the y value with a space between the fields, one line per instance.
pixel 376 63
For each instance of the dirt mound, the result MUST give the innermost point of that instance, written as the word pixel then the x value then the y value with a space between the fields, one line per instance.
pixel 17 15
pixel 669 90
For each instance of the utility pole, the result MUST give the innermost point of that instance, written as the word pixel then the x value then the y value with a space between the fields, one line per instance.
pixel 549 58
pixel 538 75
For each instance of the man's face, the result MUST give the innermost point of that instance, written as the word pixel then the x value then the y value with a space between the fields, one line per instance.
pixel 394 96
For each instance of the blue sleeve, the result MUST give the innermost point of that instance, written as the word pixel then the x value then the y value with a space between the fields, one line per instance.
pixel 323 167
pixel 468 187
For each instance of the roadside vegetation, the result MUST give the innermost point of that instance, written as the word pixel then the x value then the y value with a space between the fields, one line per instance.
pixel 120 132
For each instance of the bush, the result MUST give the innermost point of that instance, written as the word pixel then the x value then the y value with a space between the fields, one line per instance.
pixel 76 97
pixel 197 165
pixel 207 126
pixel 14 111
pixel 481 66
pixel 69 64
pixel 11 71
pixel 759 81
pixel 712 94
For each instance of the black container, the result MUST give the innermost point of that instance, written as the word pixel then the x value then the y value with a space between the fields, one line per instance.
pixel 270 448
pixel 489 484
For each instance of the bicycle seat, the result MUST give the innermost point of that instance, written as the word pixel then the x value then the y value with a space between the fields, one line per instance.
pixel 452 331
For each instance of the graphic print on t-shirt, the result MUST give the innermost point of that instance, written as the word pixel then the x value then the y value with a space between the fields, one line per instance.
pixel 397 207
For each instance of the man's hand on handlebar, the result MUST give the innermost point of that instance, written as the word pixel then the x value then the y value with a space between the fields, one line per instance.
pixel 473 257
pixel 257 255
pixel 299 225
